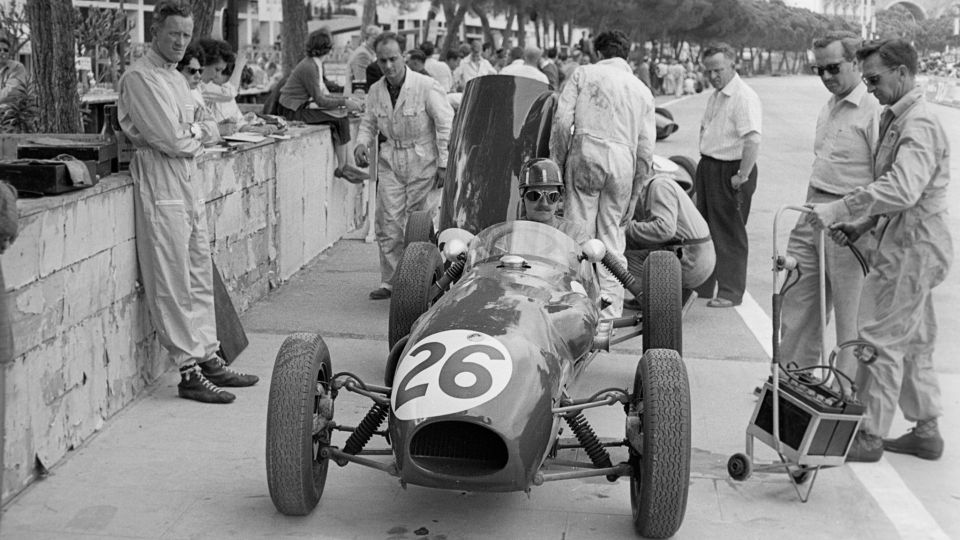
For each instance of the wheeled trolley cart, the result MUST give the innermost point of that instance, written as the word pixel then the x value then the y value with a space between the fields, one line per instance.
pixel 809 423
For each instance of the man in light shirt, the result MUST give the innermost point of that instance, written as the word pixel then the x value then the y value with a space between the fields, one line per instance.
pixel 847 131
pixel 360 58
pixel 602 139
pixel 525 63
pixel 437 69
pixel 727 174
pixel 471 67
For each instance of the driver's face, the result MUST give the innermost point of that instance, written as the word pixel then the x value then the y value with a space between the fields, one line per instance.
pixel 541 211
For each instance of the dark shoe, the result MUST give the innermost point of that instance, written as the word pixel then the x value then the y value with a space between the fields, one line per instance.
pixel 923 447
pixel 351 174
pixel 193 385
pixel 865 448
pixel 634 304
pixel 380 294
pixel 721 303
pixel 217 372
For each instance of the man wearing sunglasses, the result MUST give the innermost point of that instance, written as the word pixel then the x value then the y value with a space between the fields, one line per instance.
pixel 906 208
pixel 541 188
pixel 847 131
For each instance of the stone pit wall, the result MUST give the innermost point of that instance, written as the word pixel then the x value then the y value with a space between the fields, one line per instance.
pixel 84 343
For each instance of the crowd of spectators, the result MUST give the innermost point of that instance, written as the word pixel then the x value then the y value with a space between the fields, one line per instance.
pixel 938 66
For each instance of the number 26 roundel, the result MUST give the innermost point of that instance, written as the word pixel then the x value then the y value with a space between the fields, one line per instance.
pixel 449 372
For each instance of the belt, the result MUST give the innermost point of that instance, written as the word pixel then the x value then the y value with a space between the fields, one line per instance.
pixel 397 143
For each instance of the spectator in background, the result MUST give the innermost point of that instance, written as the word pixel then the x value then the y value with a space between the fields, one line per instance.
pixel 360 58
pixel 306 98
pixel 13 75
pixel 570 64
pixel 602 139
pixel 677 73
pixel 727 174
pixel 471 67
pixel 437 69
pixel 549 68
pixel 525 63
pixel 662 70
pixel 219 92
pixel 643 72
pixel 416 60
pixel 191 67
pixel 452 60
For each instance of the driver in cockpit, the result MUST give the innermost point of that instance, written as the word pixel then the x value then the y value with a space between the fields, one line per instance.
pixel 541 187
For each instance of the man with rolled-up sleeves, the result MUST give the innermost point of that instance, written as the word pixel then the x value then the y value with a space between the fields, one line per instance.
pixel 159 115
pixel 412 111
pixel 727 174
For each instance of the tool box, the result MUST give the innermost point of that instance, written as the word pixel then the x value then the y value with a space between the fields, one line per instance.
pixel 44 178
pixel 103 153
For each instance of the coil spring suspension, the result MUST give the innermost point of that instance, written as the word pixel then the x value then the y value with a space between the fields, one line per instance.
pixel 588 440
pixel 368 426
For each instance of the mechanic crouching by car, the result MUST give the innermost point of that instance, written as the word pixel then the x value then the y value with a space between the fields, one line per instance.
pixel 412 111
pixel 541 187
pixel 666 219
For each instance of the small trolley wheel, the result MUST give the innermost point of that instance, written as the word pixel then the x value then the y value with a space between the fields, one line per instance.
pixel 738 467
pixel 801 475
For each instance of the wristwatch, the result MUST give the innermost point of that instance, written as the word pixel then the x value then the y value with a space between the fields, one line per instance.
pixel 195 131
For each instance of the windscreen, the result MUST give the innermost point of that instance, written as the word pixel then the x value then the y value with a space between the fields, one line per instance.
pixel 533 241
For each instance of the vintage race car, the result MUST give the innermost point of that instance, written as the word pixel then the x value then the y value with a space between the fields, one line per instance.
pixel 492 322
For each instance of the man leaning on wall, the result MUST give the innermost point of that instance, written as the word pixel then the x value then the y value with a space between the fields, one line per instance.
pixel 158 114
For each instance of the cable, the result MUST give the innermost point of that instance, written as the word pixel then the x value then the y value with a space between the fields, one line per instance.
pixel 860 258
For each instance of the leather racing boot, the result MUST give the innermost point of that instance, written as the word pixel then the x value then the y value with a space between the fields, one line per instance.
pixel 866 448
pixel 193 385
pixel 217 372
pixel 923 441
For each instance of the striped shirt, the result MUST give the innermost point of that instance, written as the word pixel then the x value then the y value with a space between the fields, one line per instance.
pixel 847 133
pixel 732 113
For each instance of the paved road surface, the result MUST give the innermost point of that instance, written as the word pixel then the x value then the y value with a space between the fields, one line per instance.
pixel 168 468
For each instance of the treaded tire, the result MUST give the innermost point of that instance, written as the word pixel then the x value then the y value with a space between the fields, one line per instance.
pixel 419 228
pixel 295 474
pixel 660 480
pixel 689 166
pixel 662 309
pixel 419 268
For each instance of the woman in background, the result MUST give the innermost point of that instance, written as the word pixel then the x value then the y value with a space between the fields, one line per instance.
pixel 220 91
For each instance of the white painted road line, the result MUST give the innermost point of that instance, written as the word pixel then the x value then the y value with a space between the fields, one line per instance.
pixel 678 100
pixel 881 480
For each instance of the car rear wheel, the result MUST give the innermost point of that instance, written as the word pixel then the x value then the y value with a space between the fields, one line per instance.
pixel 299 421
pixel 660 476
pixel 419 228
pixel 686 175
pixel 662 310
pixel 420 267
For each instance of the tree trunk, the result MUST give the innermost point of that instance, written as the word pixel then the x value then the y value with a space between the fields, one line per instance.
pixel 536 32
pixel 203 13
pixel 454 20
pixel 53 40
pixel 521 29
pixel 369 13
pixel 485 24
pixel 508 29
pixel 293 34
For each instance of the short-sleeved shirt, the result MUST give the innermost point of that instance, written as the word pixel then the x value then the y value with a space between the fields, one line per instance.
pixel 732 113
pixel 847 132
pixel 360 58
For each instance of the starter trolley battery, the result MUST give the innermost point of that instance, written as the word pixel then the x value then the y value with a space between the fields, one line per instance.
pixel 817 426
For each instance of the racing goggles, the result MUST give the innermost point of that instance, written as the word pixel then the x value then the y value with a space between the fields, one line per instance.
pixel 534 195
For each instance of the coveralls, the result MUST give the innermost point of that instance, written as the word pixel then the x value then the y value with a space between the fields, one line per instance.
pixel 666 217
pixel 156 110
pixel 417 127
pixel 847 131
pixel 603 135
pixel 913 255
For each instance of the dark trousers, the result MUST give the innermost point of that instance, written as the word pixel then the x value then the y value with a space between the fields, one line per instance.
pixel 726 211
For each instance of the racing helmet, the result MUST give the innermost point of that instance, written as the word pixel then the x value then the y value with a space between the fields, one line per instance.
pixel 540 172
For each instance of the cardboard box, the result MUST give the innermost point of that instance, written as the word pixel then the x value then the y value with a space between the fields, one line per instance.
pixel 43 178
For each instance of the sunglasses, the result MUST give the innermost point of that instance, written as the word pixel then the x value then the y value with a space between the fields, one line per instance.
pixel 193 71
pixel 872 80
pixel 832 69
pixel 534 196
